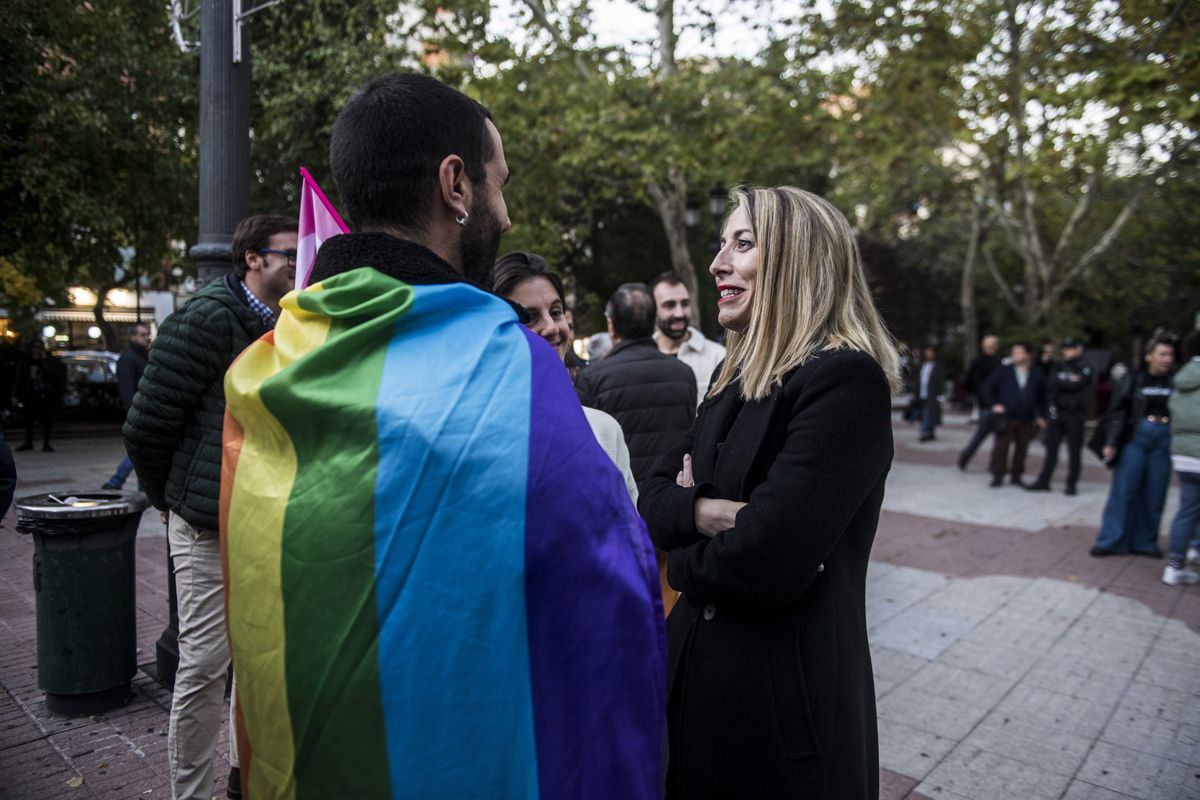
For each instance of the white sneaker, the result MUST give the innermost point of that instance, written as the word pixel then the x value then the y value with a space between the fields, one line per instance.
pixel 1193 555
pixel 1175 576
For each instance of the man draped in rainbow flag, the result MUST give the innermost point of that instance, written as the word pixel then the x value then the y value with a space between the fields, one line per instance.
pixel 424 598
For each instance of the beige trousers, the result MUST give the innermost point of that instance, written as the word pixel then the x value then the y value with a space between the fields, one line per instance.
pixel 198 705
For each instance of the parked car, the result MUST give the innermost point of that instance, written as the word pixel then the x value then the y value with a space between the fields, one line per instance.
pixel 91 383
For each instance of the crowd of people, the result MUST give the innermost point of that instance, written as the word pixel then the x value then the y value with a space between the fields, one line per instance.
pixel 712 567
pixel 1149 427
pixel 755 468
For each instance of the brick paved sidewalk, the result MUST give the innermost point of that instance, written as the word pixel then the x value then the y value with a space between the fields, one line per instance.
pixel 1009 664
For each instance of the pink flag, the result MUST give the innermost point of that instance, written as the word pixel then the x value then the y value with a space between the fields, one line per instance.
pixel 318 221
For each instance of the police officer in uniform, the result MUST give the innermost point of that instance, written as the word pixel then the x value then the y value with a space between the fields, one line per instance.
pixel 1070 390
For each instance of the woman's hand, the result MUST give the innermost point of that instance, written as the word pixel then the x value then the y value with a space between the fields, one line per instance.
pixel 714 516
pixel 685 478
pixel 1109 453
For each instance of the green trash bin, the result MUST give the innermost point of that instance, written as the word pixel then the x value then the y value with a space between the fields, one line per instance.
pixel 83 579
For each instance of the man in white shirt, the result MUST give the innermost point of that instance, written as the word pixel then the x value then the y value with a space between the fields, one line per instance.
pixel 675 337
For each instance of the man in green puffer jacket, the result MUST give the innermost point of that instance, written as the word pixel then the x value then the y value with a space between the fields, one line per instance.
pixel 173 438
pixel 1184 406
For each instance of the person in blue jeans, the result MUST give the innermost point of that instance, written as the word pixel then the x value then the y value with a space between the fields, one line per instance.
pixel 130 367
pixel 1184 408
pixel 1139 417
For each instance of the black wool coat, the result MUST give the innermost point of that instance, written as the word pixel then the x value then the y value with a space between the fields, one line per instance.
pixel 652 395
pixel 771 688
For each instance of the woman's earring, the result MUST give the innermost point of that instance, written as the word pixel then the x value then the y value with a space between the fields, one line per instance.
pixel 462 220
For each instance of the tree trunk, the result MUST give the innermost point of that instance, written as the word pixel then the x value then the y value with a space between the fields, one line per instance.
pixel 967 288
pixel 106 329
pixel 670 201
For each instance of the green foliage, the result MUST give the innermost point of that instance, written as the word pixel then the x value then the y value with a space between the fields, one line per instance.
pixel 96 113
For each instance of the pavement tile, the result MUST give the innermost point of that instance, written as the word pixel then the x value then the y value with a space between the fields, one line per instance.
pixel 1080 790
pixel 1126 770
pixel 930 712
pixel 892 668
pixel 963 685
pixel 922 632
pixel 1052 749
pixel 991 657
pixel 1053 712
pixel 980 775
pixel 910 751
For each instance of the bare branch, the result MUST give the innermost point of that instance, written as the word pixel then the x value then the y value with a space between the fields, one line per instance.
pixel 1077 214
pixel 1105 241
pixel 543 21
pixel 1005 290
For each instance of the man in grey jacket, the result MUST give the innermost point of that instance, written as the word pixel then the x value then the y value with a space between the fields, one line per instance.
pixel 1184 408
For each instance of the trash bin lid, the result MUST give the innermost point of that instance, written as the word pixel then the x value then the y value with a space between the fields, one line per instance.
pixel 80 505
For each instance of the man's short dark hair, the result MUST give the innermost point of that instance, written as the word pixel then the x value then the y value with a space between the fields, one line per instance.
pixel 667 278
pixel 631 309
pixel 1191 345
pixel 1025 344
pixel 390 139
pixel 254 233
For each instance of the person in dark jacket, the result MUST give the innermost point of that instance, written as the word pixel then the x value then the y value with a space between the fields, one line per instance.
pixel 1016 395
pixel 768 509
pixel 173 437
pixel 982 367
pixel 41 379
pixel 652 395
pixel 8 476
pixel 1070 392
pixel 928 386
pixel 1139 442
pixel 130 367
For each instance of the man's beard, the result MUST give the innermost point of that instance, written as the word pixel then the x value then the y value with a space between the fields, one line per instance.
pixel 664 325
pixel 479 244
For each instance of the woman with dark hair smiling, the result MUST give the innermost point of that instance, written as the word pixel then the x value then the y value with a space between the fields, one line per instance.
pixel 768 511
pixel 524 279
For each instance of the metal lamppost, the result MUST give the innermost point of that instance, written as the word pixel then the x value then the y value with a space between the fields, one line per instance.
pixel 224 185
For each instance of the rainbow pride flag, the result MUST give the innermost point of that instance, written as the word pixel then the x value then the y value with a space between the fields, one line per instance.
pixel 436 584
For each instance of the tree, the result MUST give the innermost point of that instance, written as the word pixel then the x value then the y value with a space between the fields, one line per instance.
pixel 96 141
pixel 1045 126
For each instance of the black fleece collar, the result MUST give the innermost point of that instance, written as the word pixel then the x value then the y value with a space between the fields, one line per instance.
pixel 397 258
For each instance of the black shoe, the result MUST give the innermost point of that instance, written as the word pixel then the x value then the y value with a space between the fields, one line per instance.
pixel 926 437
pixel 1155 553
pixel 25 447
pixel 996 483
pixel 111 487
pixel 1100 552
pixel 1070 490
pixel 46 448
pixel 234 788
pixel 963 458
pixel 1037 486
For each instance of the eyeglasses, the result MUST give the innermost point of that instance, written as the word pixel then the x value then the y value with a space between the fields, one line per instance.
pixel 290 255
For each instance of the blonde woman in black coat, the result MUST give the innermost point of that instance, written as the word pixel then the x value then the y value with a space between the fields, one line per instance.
pixel 768 511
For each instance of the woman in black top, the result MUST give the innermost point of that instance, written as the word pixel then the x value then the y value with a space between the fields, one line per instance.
pixel 768 510
pixel 1139 439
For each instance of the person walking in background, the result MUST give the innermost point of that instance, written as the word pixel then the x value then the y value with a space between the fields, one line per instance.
pixel 651 395
pixel 768 509
pixel 130 367
pixel 41 380
pixel 173 437
pixel 931 382
pixel 1016 397
pixel 982 366
pixel 1139 447
pixel 8 476
pixel 524 279
pixel 1070 392
pixel 1183 407
pixel 676 337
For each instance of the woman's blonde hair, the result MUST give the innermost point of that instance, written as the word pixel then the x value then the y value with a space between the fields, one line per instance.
pixel 811 293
